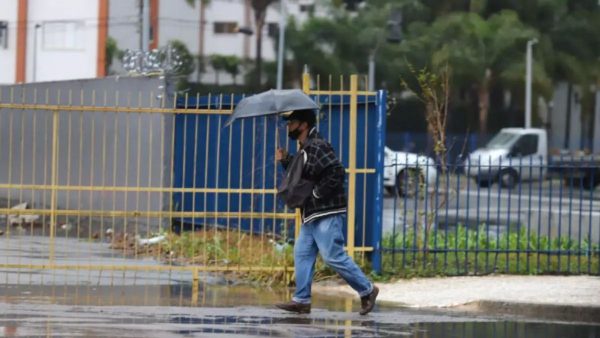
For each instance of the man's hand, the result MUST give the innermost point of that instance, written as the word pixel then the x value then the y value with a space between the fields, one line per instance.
pixel 280 154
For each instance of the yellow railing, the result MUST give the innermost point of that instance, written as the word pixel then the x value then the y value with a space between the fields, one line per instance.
pixel 93 167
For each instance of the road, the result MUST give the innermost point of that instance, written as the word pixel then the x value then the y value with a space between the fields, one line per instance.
pixel 546 208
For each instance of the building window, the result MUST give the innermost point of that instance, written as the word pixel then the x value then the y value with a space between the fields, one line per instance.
pixel 3 34
pixel 63 35
pixel 307 8
pixel 225 27
pixel 273 29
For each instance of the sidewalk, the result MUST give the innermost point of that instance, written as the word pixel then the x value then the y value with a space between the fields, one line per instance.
pixel 569 298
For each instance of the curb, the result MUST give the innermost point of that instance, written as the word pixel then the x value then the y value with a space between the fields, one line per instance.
pixel 570 313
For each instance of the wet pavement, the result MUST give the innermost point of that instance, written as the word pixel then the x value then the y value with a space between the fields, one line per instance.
pixel 239 311
pixel 146 303
pixel 42 319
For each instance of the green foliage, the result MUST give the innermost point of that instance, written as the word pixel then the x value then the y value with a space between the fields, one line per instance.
pixel 187 64
pixel 112 51
pixel 231 248
pixel 483 42
pixel 187 60
pixel 465 251
pixel 228 63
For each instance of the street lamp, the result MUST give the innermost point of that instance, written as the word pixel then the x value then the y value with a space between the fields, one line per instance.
pixel 528 62
pixel 35 43
pixel 394 27
pixel 280 48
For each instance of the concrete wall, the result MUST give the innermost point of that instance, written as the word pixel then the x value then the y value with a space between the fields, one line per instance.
pixel 94 148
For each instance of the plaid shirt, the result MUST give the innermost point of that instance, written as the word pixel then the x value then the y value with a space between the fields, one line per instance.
pixel 323 168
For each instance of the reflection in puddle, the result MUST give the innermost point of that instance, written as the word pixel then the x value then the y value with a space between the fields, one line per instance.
pixel 296 326
pixel 23 319
pixel 166 310
pixel 166 295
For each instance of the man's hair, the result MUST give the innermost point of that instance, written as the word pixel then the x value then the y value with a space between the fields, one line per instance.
pixel 303 115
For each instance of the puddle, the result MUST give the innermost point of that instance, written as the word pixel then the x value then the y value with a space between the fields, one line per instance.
pixel 165 295
pixel 240 310
pixel 253 321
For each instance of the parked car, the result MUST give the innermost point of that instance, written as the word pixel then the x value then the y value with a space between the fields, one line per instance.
pixel 405 173
pixel 521 154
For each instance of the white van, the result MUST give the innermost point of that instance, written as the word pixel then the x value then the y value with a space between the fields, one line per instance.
pixel 521 154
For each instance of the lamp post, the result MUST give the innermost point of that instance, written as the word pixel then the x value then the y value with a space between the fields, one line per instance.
pixel 145 23
pixel 281 46
pixel 35 46
pixel 394 30
pixel 280 49
pixel 528 62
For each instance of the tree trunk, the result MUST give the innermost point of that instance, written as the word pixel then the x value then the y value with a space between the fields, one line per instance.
pixel 484 103
pixel 201 37
pixel 259 21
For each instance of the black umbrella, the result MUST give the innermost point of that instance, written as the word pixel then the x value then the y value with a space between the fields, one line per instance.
pixel 272 102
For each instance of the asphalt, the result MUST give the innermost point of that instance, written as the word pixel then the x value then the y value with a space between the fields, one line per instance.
pixel 559 298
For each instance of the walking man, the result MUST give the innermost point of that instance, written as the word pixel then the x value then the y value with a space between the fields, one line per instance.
pixel 322 216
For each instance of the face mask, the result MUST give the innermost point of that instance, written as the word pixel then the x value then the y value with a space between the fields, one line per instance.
pixel 294 134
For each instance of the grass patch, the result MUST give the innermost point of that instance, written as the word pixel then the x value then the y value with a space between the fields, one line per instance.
pixel 477 252
pixel 258 258
pixel 249 256
pixel 253 257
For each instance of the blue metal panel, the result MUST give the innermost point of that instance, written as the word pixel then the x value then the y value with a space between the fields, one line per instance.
pixel 242 156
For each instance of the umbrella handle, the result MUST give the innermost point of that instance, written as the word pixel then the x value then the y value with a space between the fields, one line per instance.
pixel 277 132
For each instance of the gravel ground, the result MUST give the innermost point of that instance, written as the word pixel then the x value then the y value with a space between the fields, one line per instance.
pixel 560 297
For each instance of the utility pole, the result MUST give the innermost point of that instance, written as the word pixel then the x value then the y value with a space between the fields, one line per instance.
pixel 394 35
pixel 145 25
pixel 35 51
pixel 528 76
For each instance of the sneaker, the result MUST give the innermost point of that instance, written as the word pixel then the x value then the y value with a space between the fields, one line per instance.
pixel 368 302
pixel 294 307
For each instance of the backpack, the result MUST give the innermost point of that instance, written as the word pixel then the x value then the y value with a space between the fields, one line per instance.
pixel 294 190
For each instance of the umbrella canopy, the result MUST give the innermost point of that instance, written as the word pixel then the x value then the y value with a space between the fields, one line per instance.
pixel 272 102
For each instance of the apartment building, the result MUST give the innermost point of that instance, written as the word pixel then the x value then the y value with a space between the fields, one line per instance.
pixel 44 40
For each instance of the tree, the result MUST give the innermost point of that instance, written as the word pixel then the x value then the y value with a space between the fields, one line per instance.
pixel 186 66
pixel 232 66
pixel 112 51
pixel 483 43
pixel 260 12
pixel 479 51
pixel 201 33
pixel 433 91
pixel 327 47
pixel 218 64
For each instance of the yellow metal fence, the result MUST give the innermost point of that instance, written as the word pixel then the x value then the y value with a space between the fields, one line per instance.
pixel 95 169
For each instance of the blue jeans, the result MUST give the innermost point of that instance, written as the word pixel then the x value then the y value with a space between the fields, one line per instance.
pixel 324 235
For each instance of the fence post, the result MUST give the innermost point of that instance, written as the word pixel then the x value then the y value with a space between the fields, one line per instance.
pixel 352 163
pixel 377 225
pixel 298 218
pixel 54 182
pixel 195 282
